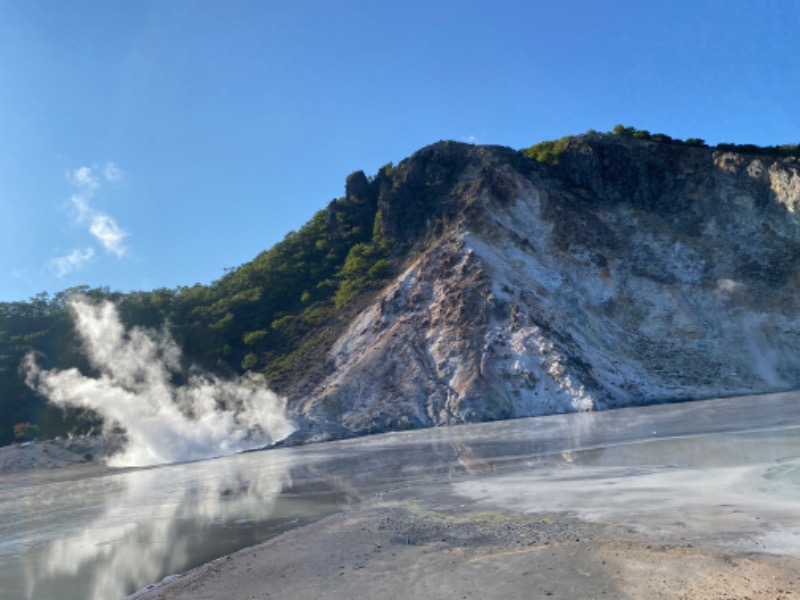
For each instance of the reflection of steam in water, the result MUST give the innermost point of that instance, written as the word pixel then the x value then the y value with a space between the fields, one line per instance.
pixel 164 423
pixel 154 523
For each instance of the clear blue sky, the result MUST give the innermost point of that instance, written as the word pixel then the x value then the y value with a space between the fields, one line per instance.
pixel 153 143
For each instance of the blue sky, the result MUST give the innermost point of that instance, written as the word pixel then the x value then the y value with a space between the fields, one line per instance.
pixel 149 144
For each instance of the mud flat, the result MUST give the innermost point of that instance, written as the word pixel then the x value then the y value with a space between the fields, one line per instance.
pixel 406 551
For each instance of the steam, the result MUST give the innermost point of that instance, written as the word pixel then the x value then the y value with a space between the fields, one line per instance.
pixel 165 423
pixel 766 360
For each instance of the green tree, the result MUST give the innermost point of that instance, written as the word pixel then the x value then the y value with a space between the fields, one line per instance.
pixel 548 152
pixel 250 361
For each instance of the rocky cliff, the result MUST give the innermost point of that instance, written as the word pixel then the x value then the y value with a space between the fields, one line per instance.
pixel 629 272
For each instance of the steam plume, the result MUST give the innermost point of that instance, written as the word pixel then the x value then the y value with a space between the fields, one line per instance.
pixel 164 423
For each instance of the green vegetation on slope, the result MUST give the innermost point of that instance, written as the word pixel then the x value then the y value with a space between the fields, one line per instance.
pixel 643 134
pixel 548 152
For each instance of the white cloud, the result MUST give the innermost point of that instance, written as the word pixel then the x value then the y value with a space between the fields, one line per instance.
pixel 106 230
pixel 83 178
pixel 75 260
pixel 470 139
pixel 112 172
pixel 81 204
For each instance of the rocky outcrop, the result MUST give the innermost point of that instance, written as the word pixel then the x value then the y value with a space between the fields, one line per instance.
pixel 630 272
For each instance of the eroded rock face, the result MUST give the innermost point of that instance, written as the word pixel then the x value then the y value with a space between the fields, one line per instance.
pixel 629 273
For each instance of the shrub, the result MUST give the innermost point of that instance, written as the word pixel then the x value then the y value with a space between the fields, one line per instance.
pixel 548 152
pixel 639 134
pixel 662 138
pixel 250 361
pixel 252 337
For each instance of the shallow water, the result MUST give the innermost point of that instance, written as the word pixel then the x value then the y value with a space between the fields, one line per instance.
pixel 726 467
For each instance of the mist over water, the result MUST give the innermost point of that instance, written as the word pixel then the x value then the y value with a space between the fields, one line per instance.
pixel 165 423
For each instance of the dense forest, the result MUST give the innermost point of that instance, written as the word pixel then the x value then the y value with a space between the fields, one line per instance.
pixel 274 312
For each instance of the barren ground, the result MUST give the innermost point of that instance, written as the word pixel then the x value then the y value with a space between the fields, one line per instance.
pixel 403 551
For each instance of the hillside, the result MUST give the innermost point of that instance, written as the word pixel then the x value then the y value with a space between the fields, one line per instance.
pixel 628 272
pixel 476 282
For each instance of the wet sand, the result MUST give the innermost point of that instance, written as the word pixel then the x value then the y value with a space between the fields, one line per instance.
pixel 405 551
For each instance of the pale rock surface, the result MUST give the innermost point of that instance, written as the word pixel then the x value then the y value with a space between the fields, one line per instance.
pixel 629 273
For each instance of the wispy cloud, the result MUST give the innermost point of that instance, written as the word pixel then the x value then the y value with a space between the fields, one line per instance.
pixel 110 235
pixel 104 227
pixel 74 261
pixel 470 139
pixel 111 172
pixel 84 179
pixel 81 205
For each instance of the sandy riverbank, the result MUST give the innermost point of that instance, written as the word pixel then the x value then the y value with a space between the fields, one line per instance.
pixel 403 551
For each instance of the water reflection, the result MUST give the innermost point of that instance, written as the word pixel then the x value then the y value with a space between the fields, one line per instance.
pixel 133 552
pixel 122 532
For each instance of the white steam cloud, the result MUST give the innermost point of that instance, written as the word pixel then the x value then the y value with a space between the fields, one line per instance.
pixel 766 359
pixel 165 423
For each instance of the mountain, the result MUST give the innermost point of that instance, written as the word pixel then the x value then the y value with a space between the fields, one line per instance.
pixel 628 272
pixel 472 283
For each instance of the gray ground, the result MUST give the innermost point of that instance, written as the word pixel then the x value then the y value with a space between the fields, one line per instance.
pixel 404 551
pixel 60 458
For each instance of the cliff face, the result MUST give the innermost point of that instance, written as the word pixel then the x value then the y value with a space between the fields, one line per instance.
pixel 631 272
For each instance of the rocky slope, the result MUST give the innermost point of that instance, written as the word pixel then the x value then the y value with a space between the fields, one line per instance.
pixel 630 272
